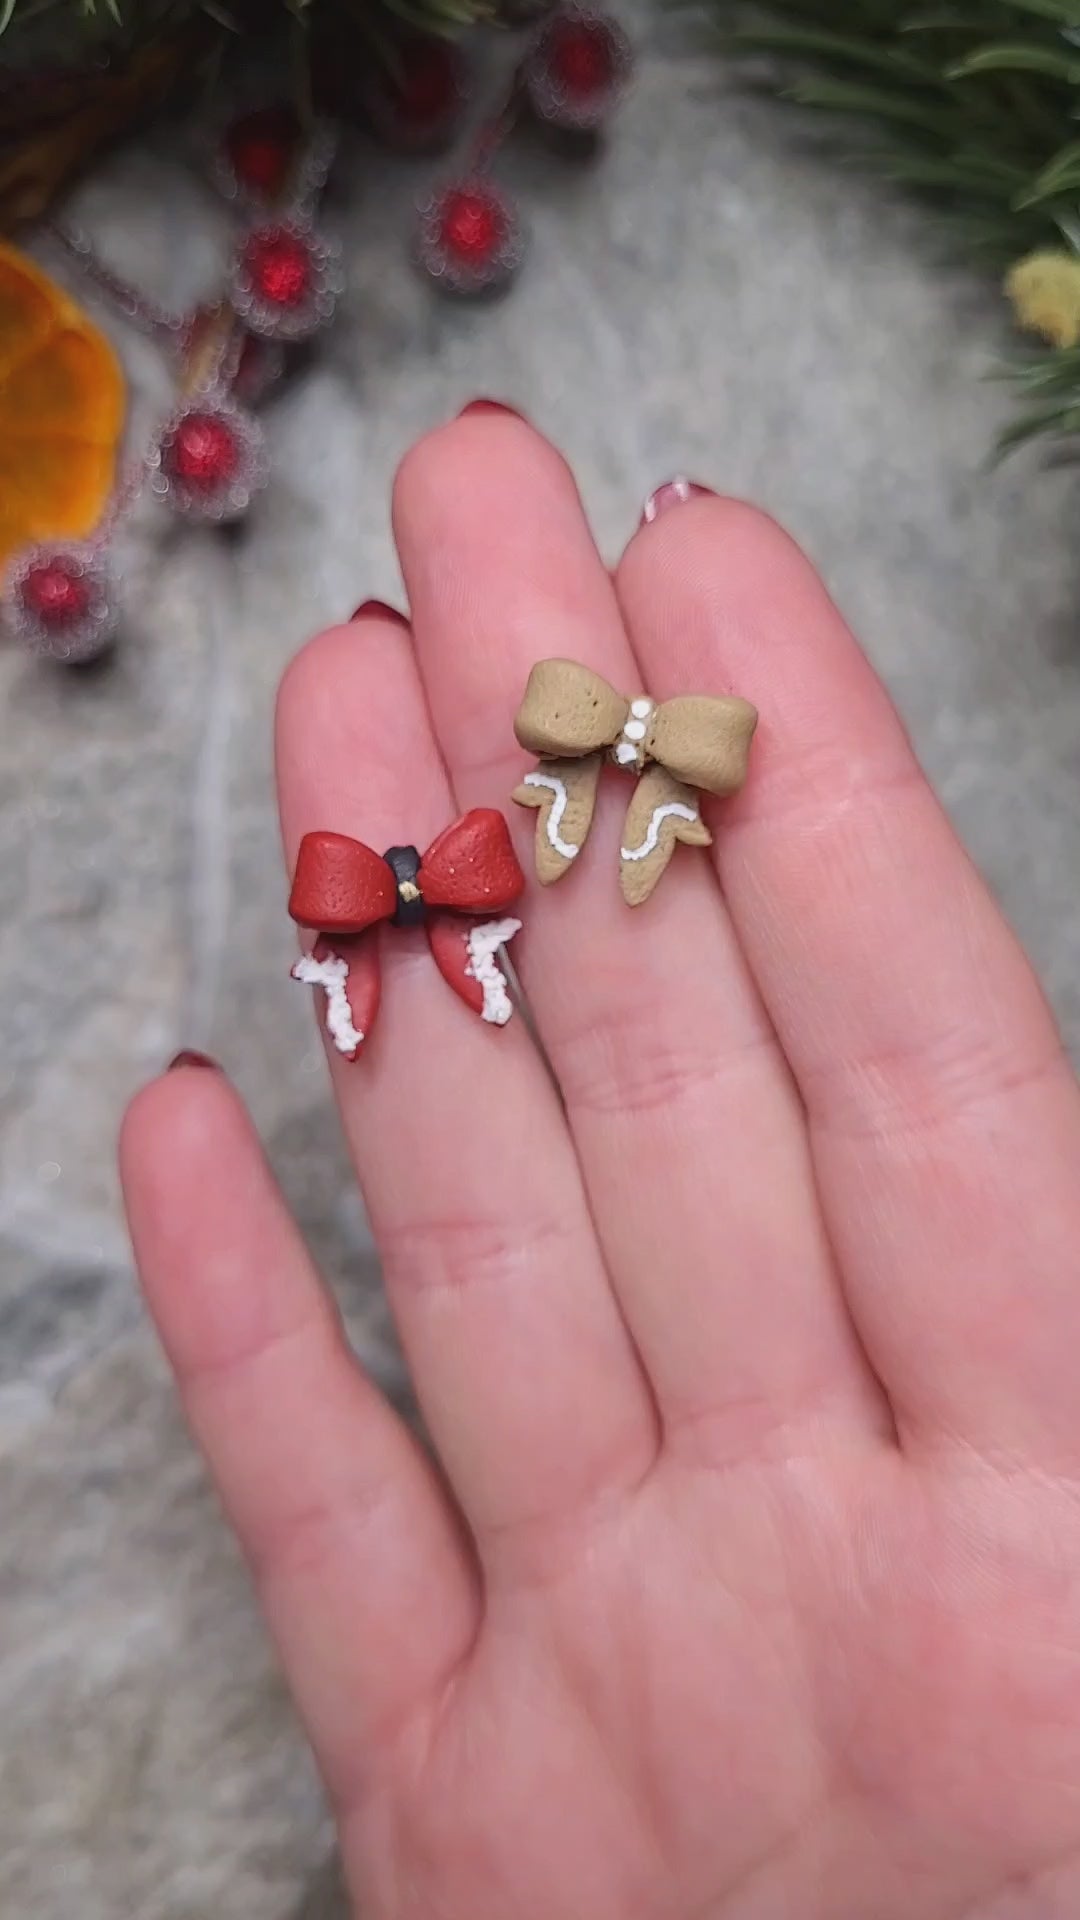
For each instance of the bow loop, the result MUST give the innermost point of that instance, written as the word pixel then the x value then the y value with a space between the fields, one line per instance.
pixel 568 710
pixel 472 866
pixel 340 886
pixel 703 739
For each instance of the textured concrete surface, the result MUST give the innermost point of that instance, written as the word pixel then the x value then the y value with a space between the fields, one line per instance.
pixel 708 299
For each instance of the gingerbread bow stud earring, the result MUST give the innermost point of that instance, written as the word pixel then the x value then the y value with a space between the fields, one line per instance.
pixel 573 719
pixel 457 891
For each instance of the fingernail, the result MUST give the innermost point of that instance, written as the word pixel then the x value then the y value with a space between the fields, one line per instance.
pixel 490 406
pixel 187 1057
pixel 671 494
pixel 380 609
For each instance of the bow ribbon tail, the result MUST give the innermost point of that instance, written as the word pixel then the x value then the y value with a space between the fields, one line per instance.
pixel 346 968
pixel 465 948
pixel 661 812
pixel 565 792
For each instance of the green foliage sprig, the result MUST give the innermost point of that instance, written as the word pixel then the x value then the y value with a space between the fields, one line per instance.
pixel 77 74
pixel 975 108
pixel 70 28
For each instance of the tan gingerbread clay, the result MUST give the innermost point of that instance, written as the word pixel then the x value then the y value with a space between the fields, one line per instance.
pixel 573 719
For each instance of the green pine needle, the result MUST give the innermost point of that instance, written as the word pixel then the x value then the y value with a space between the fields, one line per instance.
pixel 973 107
pixel 72 23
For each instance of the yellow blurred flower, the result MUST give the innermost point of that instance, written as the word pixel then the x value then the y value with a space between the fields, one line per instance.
pixel 1044 289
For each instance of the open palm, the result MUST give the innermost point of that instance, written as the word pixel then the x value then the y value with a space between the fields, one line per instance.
pixel 747 1582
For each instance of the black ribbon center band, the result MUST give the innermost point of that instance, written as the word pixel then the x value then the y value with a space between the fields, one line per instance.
pixel 404 864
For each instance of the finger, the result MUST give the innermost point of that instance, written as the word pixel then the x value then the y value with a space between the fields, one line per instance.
pixel 356 1555
pixel 522 1365
pixel 945 1120
pixel 687 1127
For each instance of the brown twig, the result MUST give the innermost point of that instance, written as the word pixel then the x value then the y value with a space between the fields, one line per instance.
pixel 48 131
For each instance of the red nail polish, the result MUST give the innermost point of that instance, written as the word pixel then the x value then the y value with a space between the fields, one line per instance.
pixel 381 610
pixel 671 494
pixel 188 1057
pixel 490 406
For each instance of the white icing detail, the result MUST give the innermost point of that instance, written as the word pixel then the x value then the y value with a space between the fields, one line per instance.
pixel 332 973
pixel 484 943
pixel 558 808
pixel 651 838
pixel 627 749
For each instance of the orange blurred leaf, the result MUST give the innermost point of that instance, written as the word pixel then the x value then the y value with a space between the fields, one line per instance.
pixel 61 410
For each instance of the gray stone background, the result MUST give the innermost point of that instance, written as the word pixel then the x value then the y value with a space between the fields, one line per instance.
pixel 709 299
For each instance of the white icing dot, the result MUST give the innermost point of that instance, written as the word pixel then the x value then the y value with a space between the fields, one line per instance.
pixel 625 754
pixel 641 709
pixel 635 729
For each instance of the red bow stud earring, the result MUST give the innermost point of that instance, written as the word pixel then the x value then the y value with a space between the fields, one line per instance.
pixel 458 890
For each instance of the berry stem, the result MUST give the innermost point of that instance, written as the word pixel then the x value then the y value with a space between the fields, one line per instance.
pixel 493 132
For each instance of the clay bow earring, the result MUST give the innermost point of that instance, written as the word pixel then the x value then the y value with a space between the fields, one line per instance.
pixel 572 718
pixel 342 890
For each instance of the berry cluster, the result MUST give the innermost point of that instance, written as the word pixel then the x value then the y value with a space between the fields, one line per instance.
pixel 209 459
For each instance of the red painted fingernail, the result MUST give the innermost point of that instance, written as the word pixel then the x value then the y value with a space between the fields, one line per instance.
pixel 490 406
pixel 380 608
pixel 671 494
pixel 188 1057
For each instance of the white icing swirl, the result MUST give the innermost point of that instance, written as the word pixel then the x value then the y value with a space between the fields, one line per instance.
pixel 556 811
pixel 649 844
pixel 331 974
pixel 484 943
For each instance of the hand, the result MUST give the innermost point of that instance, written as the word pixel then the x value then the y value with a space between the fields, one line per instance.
pixel 748 1587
